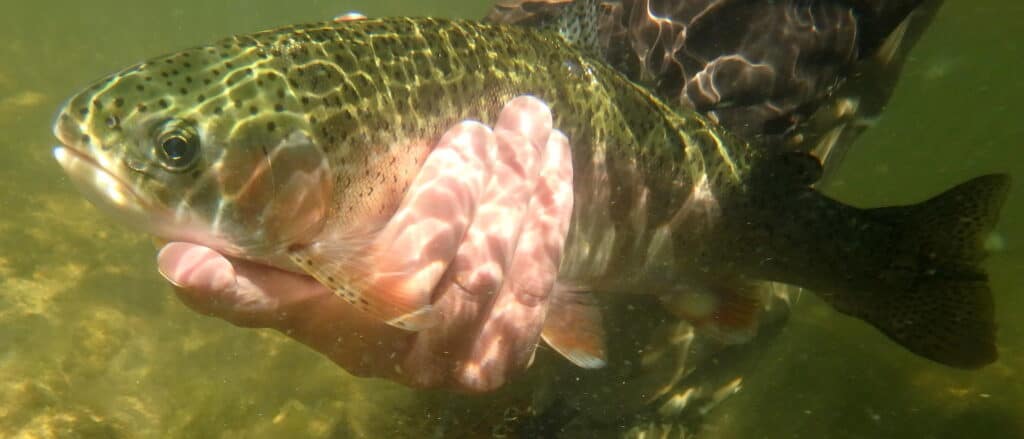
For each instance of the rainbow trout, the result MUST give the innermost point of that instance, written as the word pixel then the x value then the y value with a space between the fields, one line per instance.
pixel 288 146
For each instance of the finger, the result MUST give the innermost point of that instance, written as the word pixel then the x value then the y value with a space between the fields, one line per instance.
pixel 416 246
pixel 509 337
pixel 524 126
pixel 428 362
pixel 467 290
pixel 203 279
pixel 241 292
pixel 423 237
pixel 423 240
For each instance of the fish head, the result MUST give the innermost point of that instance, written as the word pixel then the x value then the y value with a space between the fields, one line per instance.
pixel 202 146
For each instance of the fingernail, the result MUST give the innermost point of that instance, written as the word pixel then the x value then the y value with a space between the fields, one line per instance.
pixel 163 263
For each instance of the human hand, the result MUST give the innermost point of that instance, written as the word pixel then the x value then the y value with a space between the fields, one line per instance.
pixel 492 298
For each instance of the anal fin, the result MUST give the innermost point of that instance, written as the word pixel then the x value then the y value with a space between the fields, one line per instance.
pixel 574 328
pixel 727 309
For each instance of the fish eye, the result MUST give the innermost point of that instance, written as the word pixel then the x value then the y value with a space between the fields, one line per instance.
pixel 177 147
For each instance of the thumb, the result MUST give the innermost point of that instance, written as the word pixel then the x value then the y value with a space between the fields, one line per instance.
pixel 203 279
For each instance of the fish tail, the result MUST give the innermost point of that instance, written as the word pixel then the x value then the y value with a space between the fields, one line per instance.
pixel 935 299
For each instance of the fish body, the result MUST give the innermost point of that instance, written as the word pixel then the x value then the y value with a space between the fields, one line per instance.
pixel 293 146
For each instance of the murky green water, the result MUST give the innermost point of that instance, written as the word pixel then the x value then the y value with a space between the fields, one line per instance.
pixel 93 343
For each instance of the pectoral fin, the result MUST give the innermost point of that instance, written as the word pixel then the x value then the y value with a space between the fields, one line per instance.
pixel 573 328
pixel 351 281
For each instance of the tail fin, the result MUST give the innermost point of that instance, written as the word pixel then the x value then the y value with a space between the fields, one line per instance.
pixel 946 313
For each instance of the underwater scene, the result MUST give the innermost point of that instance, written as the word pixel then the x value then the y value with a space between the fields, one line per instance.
pixel 94 342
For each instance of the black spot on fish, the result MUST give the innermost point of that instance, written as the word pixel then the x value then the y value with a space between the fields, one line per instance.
pixel 183 91
pixel 271 126
pixel 278 108
pixel 312 120
pixel 228 65
pixel 350 92
pixel 218 110
pixel 362 81
pixel 142 108
pixel 163 103
pixel 188 79
pixel 119 102
pixel 280 93
pixel 248 71
pixel 215 72
pixel 96 103
pixel 140 87
pixel 206 81
pixel 253 110
pixel 164 74
pixel 186 65
pixel 305 100
pixel 84 111
pixel 200 99
pixel 85 138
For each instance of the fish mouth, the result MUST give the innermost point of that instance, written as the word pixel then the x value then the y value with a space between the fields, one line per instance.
pixel 104 188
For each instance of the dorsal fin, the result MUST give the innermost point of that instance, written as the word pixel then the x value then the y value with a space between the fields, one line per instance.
pixel 575 20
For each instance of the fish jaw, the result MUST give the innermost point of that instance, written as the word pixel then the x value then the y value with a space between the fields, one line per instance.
pixel 279 208
pixel 105 190
pixel 116 197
